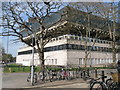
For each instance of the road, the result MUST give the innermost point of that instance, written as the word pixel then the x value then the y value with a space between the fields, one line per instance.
pixel 14 80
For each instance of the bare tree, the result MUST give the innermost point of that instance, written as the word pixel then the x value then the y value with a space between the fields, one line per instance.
pixel 112 14
pixel 15 18
pixel 108 11
pixel 90 8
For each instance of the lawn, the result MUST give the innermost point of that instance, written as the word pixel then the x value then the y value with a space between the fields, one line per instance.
pixel 19 68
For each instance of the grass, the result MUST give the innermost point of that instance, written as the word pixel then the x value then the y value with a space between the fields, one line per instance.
pixel 19 68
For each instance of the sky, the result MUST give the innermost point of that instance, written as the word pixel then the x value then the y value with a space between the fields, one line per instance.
pixel 12 47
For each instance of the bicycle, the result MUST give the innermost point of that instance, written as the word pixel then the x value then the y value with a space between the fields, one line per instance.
pixel 34 77
pixel 63 75
pixel 100 85
pixel 115 85
pixel 45 76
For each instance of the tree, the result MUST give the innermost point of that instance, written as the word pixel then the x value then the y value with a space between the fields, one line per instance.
pixel 17 14
pixel 6 57
pixel 0 52
pixel 108 11
pixel 90 9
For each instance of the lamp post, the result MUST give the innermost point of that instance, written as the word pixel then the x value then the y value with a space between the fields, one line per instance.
pixel 32 61
pixel 33 27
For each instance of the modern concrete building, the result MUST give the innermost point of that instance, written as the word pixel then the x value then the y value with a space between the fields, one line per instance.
pixel 67 47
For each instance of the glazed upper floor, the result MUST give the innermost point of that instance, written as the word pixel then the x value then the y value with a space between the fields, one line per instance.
pixel 73 22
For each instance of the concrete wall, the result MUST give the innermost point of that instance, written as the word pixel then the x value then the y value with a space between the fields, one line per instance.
pixel 57 57
pixel 76 57
pixel 68 57
pixel 51 58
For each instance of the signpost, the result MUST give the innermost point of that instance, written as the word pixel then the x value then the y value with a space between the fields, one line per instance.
pixel 34 27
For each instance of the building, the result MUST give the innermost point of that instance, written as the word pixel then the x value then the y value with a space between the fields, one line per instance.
pixel 67 47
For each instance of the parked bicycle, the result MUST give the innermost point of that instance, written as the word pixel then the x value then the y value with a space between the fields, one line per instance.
pixel 115 84
pixel 63 74
pixel 34 77
pixel 45 75
pixel 100 85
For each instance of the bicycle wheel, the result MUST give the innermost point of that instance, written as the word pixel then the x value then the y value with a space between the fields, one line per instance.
pixel 113 86
pixel 35 78
pixel 40 76
pixel 29 77
pixel 98 86
pixel 109 82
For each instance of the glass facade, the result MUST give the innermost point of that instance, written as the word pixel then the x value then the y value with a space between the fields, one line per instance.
pixel 70 47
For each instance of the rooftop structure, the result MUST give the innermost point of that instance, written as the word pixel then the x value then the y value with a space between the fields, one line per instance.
pixel 67 47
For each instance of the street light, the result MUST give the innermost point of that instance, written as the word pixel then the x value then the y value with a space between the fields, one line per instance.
pixel 33 27
pixel 32 61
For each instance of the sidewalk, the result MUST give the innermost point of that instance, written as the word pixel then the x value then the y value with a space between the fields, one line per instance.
pixel 75 83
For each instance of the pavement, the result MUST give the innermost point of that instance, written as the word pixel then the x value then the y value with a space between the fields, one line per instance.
pixel 0 76
pixel 18 80
pixel 75 83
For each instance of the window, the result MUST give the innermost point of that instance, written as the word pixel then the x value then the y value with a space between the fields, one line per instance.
pixel 91 40
pixel 71 37
pixel 69 46
pixel 65 37
pixel 54 48
pixel 82 47
pixel 25 52
pixel 84 38
pixel 76 38
pixel 60 47
pixel 56 38
pixel 103 41
pixel 64 46
pixel 53 39
pixel 75 47
pixel 80 38
pixel 98 41
pixel 79 47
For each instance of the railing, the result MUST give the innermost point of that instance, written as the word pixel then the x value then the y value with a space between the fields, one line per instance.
pixel 81 38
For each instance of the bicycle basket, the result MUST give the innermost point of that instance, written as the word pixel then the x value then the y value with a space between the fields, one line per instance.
pixel 115 77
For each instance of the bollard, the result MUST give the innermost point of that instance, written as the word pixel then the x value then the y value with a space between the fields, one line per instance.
pixel 103 76
pixel 23 69
pixel 18 68
pixel 81 74
pixel 10 70
pixel 84 73
pixel 76 74
pixel 73 74
pixel 88 73
pixel 95 73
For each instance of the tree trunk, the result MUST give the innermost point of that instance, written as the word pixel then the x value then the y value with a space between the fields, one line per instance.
pixel 85 61
pixel 114 53
pixel 86 52
pixel 42 63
